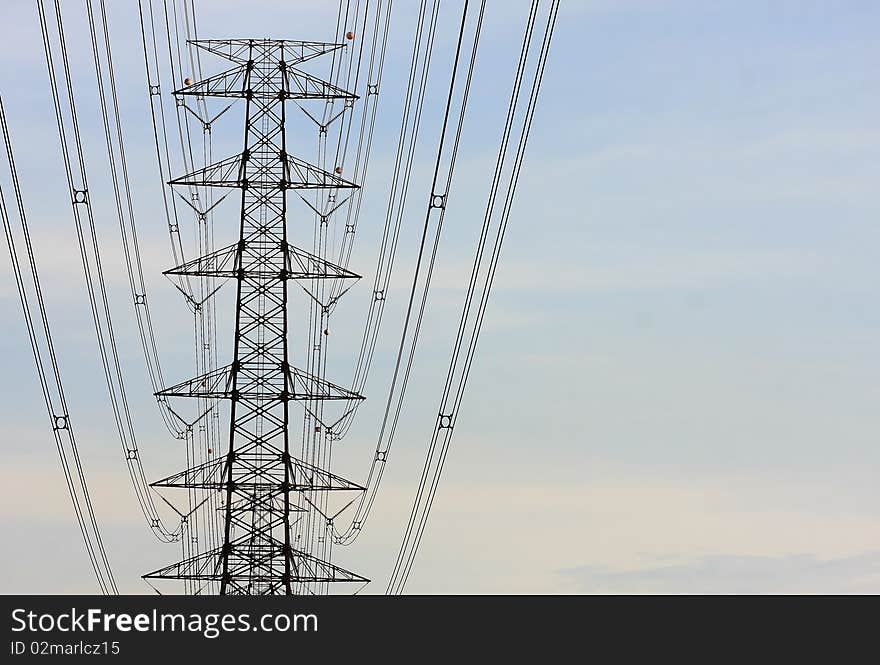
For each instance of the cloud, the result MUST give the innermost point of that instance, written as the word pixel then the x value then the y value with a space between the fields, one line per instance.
pixel 736 574
pixel 641 270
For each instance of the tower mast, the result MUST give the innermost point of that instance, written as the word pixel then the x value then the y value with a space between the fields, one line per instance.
pixel 265 486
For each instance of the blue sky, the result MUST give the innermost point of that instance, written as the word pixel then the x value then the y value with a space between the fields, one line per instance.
pixel 676 389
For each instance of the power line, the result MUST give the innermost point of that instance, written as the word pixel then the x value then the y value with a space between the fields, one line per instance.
pixel 400 182
pixel 453 391
pixel 49 375
pixel 93 271
pixel 438 199
pixel 279 540
pixel 125 209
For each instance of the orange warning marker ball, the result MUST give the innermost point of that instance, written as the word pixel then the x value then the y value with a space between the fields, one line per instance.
pixel 338 169
pixel 326 331
pixel 350 35
pixel 187 81
pixel 210 450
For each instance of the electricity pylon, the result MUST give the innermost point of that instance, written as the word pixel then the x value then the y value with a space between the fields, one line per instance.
pixel 265 487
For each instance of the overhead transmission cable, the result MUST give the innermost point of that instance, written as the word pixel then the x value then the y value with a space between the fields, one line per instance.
pixel 163 151
pixel 49 375
pixel 116 159
pixel 420 66
pixel 470 324
pixel 375 34
pixel 207 339
pixel 179 25
pixel 175 423
pixel 309 535
pixel 205 442
pixel 205 527
pixel 189 537
pixel 93 271
pixel 365 140
pixel 438 200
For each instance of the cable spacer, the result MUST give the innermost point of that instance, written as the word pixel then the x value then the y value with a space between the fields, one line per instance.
pixel 372 88
pixel 438 200
pixel 179 101
pixel 381 455
pixel 154 522
pixel 445 421
pixel 60 422
pixel 140 298
pixel 379 294
pixel 356 526
pixel 349 228
pixel 131 454
pixel 80 196
pixel 154 89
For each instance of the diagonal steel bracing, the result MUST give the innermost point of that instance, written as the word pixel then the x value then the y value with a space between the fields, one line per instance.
pixel 263 483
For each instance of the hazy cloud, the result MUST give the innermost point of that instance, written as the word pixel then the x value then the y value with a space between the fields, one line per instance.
pixel 736 574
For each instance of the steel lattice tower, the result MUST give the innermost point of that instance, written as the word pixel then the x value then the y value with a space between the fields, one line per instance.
pixel 263 483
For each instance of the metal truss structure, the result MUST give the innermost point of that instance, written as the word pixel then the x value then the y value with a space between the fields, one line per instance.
pixel 265 487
